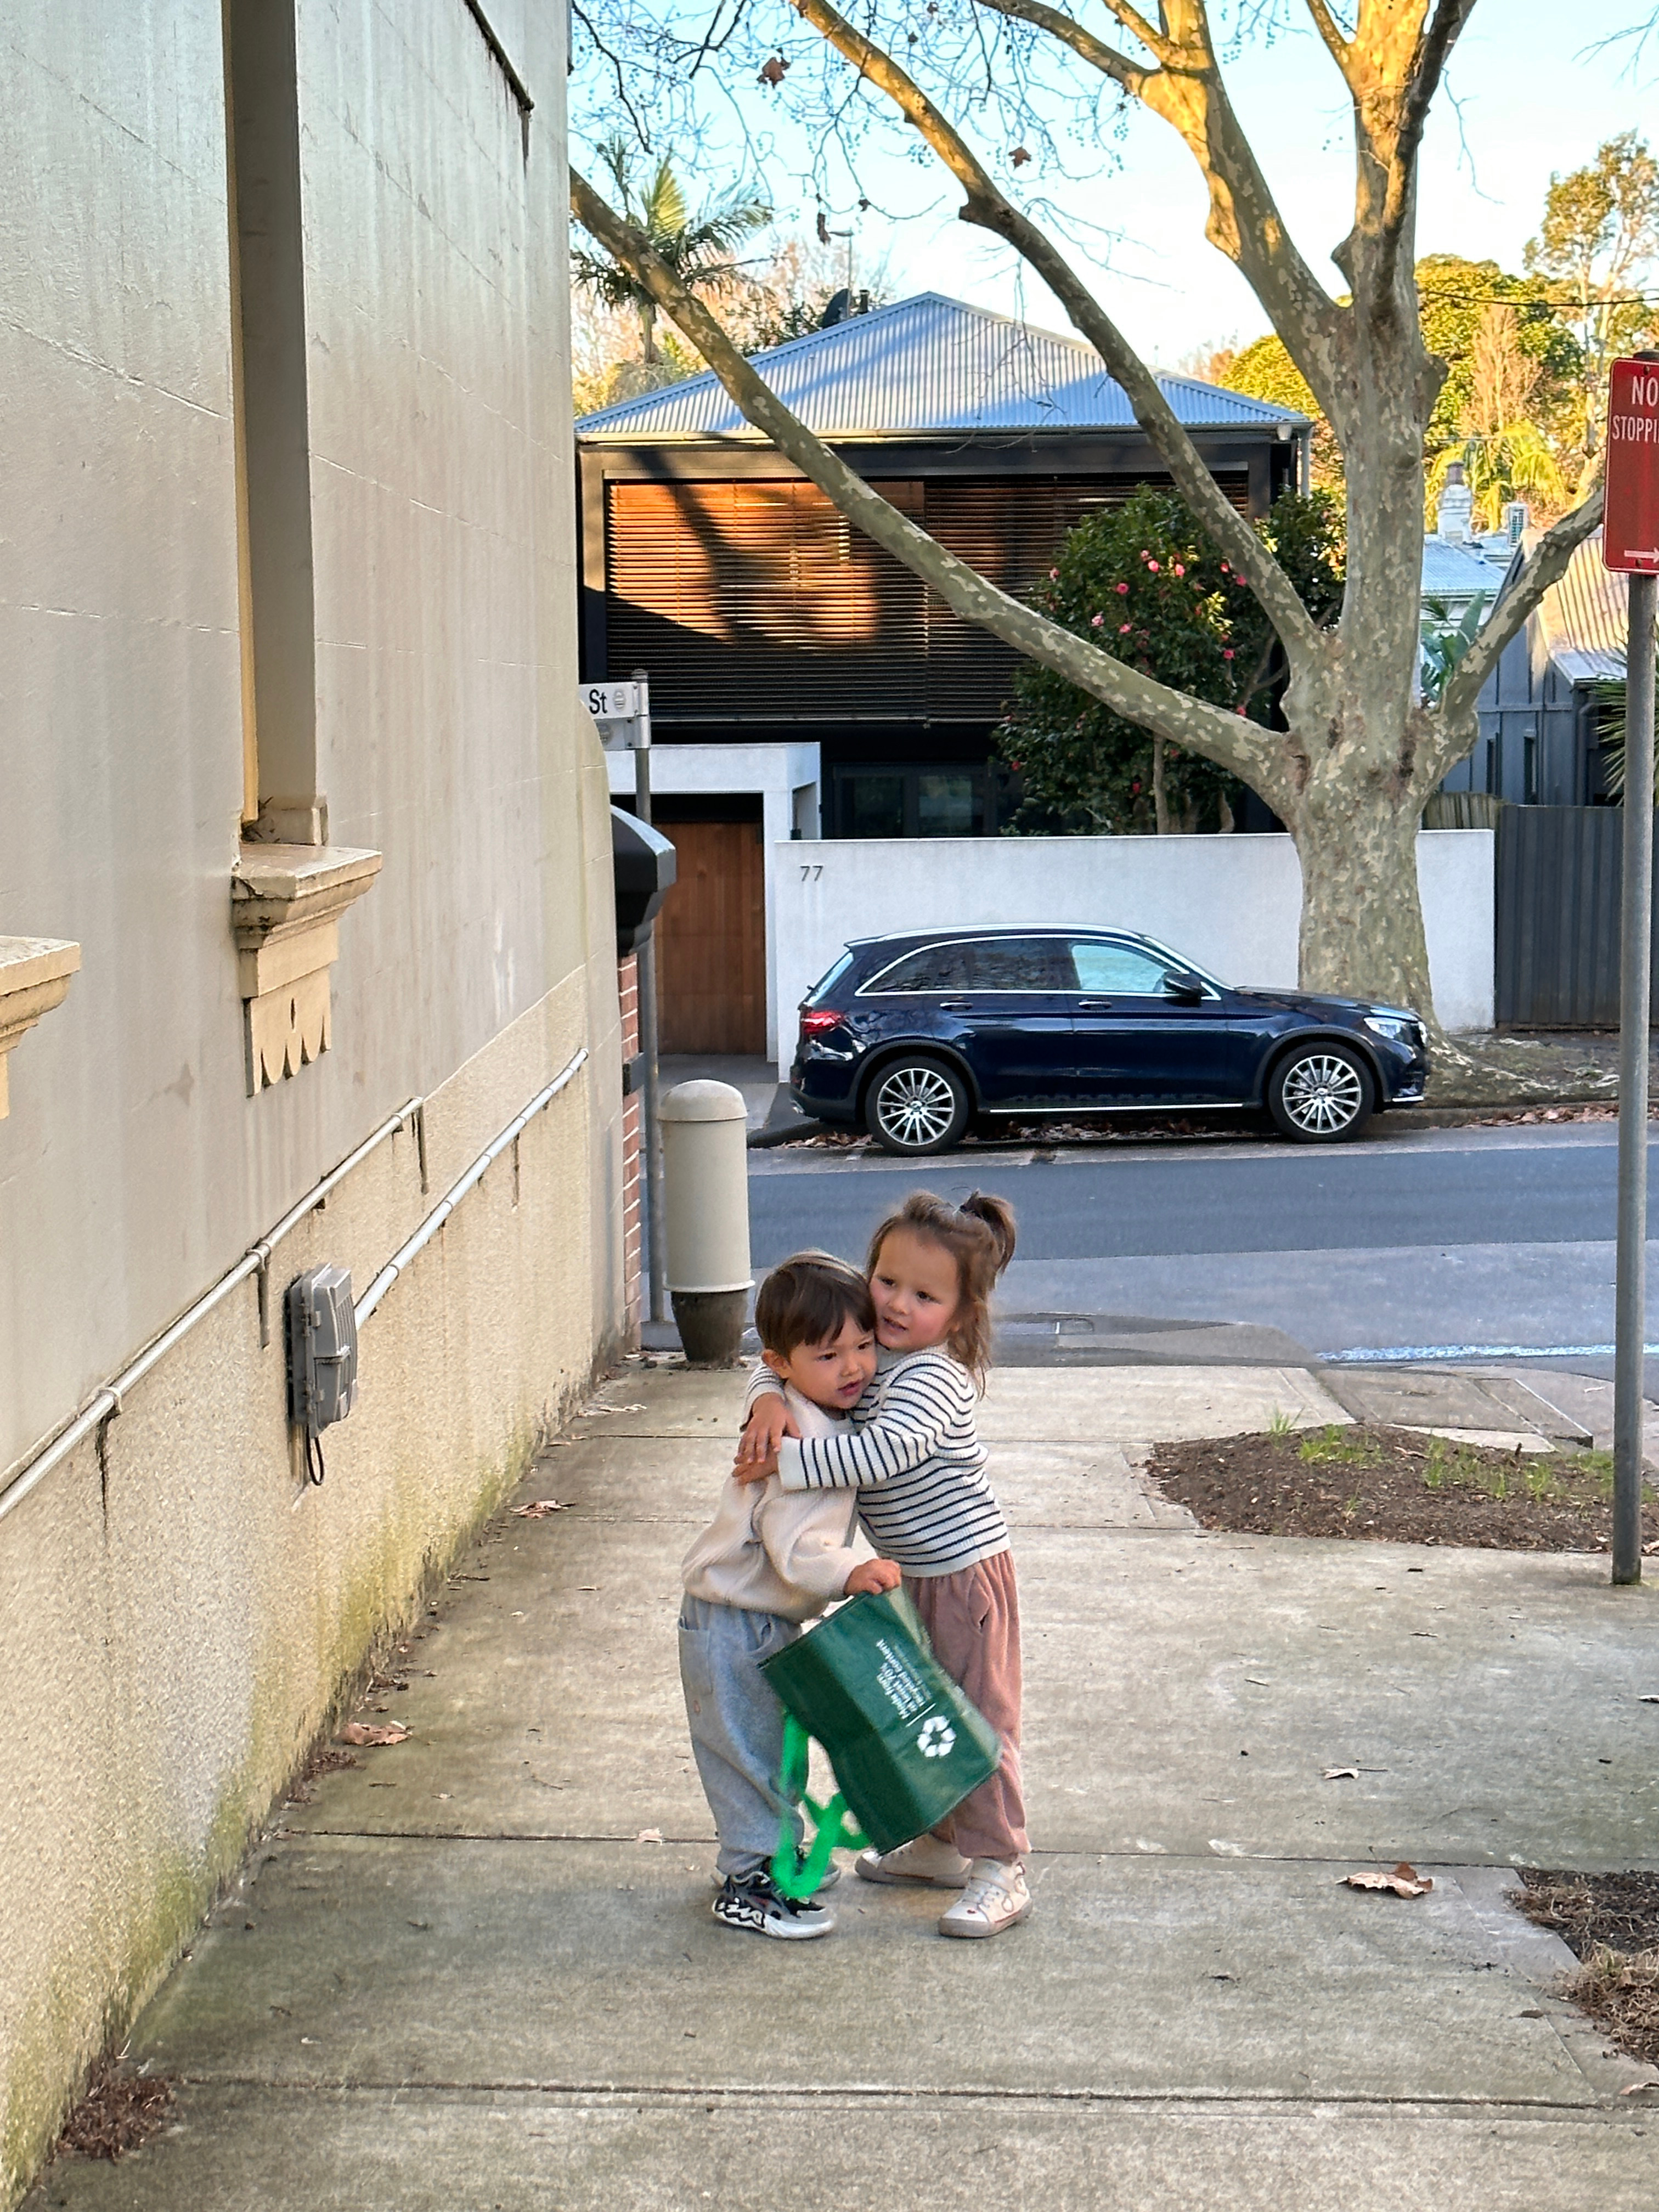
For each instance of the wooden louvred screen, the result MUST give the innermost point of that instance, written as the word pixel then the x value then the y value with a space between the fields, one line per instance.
pixel 755 601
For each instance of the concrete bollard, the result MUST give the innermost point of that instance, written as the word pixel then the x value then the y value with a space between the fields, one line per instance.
pixel 705 1159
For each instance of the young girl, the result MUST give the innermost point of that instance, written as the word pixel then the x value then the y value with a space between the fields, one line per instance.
pixel 918 1463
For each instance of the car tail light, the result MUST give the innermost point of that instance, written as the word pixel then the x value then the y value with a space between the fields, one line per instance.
pixel 815 1020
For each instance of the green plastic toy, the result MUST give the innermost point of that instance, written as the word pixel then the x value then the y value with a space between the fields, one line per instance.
pixel 906 1744
pixel 797 1874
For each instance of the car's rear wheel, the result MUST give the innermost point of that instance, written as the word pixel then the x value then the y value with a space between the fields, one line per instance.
pixel 1321 1093
pixel 917 1104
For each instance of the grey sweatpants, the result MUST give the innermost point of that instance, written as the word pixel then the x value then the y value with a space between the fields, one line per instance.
pixel 737 1726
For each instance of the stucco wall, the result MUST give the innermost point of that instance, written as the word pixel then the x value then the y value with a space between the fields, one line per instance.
pixel 1231 903
pixel 444 535
pixel 178 1612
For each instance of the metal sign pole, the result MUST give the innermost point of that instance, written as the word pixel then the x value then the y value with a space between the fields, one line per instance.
pixel 1630 546
pixel 1635 994
pixel 656 1255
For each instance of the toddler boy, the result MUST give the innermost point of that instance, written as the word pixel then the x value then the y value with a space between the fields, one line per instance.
pixel 770 1560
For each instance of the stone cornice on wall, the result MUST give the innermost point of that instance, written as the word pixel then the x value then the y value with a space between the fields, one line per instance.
pixel 35 977
pixel 285 904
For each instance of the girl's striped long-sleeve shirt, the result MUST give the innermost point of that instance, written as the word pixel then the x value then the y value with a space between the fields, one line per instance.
pixel 914 1455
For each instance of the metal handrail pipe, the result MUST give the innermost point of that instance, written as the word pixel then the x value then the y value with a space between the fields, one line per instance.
pixel 106 1403
pixel 451 1197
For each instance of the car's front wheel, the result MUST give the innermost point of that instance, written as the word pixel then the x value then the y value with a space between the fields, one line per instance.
pixel 917 1104
pixel 1321 1093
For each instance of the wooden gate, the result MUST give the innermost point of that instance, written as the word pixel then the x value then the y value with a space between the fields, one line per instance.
pixel 711 939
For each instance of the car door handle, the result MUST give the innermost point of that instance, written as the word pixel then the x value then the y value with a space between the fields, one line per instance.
pixel 1093 1005
pixel 956 1006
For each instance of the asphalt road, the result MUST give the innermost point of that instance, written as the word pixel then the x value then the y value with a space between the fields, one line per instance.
pixel 1450 1244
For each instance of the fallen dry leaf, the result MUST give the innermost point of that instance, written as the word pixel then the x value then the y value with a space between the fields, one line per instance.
pixel 1630 2087
pixel 1341 1774
pixel 649 1836
pixel 538 1509
pixel 1403 1881
pixel 368 1732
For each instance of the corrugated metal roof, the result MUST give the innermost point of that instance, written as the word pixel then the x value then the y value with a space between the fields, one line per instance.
pixel 1457 573
pixel 1584 619
pixel 923 366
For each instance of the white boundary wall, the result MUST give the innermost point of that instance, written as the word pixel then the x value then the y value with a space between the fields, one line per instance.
pixel 1232 904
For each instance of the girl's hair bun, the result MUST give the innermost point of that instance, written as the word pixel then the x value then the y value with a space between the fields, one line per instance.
pixel 999 1218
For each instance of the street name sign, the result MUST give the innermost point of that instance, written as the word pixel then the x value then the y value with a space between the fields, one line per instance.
pixel 622 712
pixel 1630 535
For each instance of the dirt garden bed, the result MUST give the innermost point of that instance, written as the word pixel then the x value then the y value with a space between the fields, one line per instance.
pixel 1610 1922
pixel 1395 1486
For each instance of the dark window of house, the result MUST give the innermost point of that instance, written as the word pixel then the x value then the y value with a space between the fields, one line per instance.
pixel 873 805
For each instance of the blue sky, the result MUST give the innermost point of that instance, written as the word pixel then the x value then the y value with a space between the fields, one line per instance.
pixel 1528 96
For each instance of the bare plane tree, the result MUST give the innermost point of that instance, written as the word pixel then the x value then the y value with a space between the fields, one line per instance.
pixel 1362 752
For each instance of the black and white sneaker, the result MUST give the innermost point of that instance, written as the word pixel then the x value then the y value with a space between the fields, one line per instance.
pixel 754 1904
pixel 827 1879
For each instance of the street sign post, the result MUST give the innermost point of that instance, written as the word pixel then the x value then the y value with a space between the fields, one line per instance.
pixel 1630 543
pixel 622 712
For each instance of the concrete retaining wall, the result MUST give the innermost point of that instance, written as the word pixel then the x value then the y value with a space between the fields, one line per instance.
pixel 1232 904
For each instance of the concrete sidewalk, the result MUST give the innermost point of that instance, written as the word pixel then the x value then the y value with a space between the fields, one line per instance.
pixel 458 1978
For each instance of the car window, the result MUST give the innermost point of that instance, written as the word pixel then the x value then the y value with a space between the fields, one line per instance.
pixel 935 968
pixel 825 982
pixel 1117 970
pixel 1019 963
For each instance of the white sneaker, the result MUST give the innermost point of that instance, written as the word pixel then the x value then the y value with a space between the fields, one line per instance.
pixel 995 1897
pixel 925 1861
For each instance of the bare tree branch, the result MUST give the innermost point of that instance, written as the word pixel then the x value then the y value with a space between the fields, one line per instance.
pixel 987 206
pixel 1428 67
pixel 1545 565
pixel 1120 68
pixel 1138 27
pixel 1332 33
pixel 1187 93
pixel 1242 747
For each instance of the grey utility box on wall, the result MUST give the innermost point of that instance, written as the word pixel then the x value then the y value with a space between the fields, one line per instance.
pixel 322 1354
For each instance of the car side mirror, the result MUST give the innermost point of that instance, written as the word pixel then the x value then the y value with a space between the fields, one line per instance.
pixel 1187 988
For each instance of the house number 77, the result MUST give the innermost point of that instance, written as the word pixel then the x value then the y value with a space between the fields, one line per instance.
pixel 811 872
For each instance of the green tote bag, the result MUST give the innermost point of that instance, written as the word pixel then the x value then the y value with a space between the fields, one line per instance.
pixel 906 1744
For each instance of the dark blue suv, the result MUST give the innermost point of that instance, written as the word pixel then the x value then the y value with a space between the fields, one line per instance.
pixel 918 1035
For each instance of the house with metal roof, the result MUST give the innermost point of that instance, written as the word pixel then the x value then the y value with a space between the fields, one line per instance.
pixel 759 612
pixel 768 624
pixel 1542 709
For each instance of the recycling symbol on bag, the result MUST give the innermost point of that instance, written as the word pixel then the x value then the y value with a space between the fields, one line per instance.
pixel 936 1738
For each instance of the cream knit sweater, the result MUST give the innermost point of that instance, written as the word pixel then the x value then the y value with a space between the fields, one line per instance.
pixel 770 1550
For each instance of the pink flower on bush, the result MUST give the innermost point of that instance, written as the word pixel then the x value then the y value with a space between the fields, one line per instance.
pixel 1123 628
pixel 1095 621
pixel 1226 652
pixel 1053 575
pixel 1123 587
pixel 1179 568
pixel 1152 565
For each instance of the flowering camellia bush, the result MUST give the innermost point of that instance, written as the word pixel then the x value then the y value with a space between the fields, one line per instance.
pixel 1143 583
